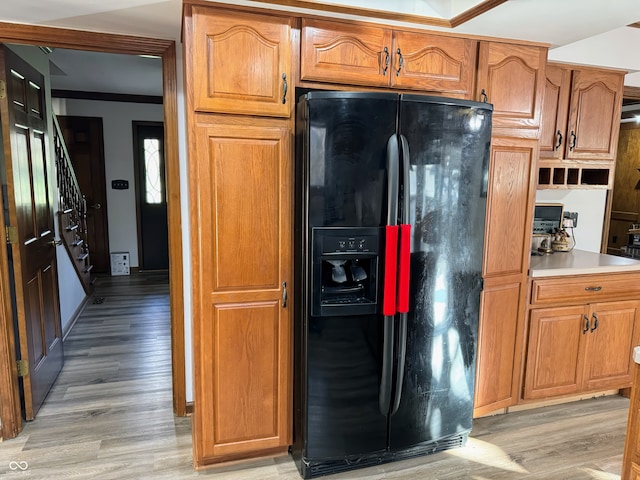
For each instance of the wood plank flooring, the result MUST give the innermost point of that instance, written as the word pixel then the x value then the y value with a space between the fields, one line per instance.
pixel 109 416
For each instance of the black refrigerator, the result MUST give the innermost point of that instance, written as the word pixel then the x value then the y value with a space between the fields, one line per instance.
pixel 390 212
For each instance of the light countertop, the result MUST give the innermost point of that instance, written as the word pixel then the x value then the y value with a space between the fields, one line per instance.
pixel 579 262
pixel 636 354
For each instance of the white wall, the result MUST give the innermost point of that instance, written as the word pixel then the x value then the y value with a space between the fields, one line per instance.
pixel 118 153
pixel 589 204
pixel 70 289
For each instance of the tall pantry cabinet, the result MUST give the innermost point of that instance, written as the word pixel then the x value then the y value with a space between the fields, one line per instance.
pixel 238 71
pixel 511 77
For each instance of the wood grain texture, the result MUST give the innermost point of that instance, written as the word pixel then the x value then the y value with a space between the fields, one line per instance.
pixel 584 289
pixel 242 335
pixel 512 76
pixel 499 348
pixel 113 43
pixel 555 352
pixel 342 53
pixel 555 108
pixel 594 115
pixel 241 63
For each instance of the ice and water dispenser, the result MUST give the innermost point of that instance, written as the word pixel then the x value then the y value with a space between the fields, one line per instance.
pixel 345 271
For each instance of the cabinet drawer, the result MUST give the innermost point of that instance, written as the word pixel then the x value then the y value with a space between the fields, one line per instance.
pixel 589 288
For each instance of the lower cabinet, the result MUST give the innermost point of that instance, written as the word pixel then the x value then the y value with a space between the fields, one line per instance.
pixel 580 348
pixel 242 317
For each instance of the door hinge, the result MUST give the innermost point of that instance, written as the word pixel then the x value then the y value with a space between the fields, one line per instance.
pixel 3 89
pixel 23 368
pixel 11 234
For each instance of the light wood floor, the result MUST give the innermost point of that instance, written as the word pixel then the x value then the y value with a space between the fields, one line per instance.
pixel 109 416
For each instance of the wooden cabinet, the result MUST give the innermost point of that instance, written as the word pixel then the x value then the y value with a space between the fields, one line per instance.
pixel 238 79
pixel 580 126
pixel 346 53
pixel 240 62
pixel 242 331
pixel 511 196
pixel 582 330
pixel 581 114
pixel 580 348
pixel 511 77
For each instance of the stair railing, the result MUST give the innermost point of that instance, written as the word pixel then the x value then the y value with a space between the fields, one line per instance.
pixel 72 213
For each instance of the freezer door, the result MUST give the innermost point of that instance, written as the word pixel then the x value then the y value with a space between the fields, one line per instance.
pixel 345 153
pixel 343 417
pixel 447 187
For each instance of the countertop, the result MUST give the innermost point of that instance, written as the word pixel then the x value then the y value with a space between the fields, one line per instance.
pixel 579 262
pixel 636 354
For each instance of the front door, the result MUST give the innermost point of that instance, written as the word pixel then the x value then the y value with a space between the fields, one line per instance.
pixel 148 139
pixel 26 172
pixel 85 144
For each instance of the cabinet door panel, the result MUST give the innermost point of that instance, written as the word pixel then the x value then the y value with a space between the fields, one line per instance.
pixel 553 135
pixel 347 54
pixel 594 115
pixel 499 348
pixel 434 63
pixel 609 346
pixel 512 76
pixel 555 352
pixel 240 63
pixel 510 205
pixel 242 331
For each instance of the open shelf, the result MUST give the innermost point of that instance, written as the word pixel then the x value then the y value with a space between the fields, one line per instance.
pixel 574 176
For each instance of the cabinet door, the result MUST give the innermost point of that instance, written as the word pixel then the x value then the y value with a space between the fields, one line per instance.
pixel 433 63
pixel 594 115
pixel 609 346
pixel 241 63
pixel 345 53
pixel 553 135
pixel 512 77
pixel 499 347
pixel 242 327
pixel 555 352
pixel 510 205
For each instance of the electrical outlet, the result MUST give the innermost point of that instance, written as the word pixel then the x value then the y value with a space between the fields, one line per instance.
pixel 570 219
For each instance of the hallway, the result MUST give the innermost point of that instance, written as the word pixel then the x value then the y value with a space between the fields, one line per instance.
pixel 109 416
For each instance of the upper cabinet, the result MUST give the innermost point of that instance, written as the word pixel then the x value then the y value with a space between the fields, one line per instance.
pixel 581 114
pixel 241 63
pixel 374 56
pixel 511 77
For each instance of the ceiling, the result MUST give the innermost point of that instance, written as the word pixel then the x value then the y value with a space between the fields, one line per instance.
pixel 591 32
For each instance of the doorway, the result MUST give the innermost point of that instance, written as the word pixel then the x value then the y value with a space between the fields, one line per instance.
pixel 63 38
pixel 148 155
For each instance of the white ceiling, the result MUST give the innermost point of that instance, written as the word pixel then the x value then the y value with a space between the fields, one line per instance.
pixel 591 32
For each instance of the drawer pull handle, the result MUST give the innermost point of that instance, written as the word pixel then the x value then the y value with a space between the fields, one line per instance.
pixel 593 289
pixel 595 321
pixel 586 324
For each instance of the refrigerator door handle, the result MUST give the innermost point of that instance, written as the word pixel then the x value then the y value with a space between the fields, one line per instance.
pixel 401 354
pixel 403 273
pixel 391 230
pixel 386 381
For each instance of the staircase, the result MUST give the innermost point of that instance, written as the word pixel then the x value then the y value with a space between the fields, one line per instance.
pixel 73 212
